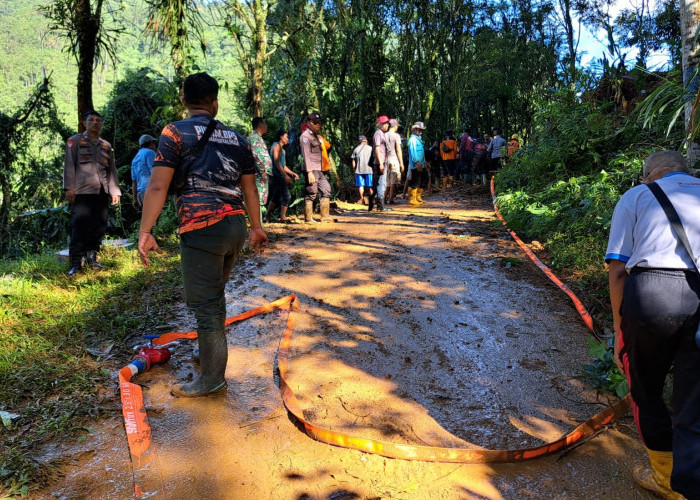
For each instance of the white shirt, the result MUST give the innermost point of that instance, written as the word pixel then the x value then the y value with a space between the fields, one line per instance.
pixel 642 236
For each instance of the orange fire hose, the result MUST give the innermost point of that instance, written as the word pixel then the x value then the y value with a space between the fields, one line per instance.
pixel 145 464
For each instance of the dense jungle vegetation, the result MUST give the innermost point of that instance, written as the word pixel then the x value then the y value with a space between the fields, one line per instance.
pixel 481 64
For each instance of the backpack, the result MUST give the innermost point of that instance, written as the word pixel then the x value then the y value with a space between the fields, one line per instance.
pixel 372 157
pixel 445 147
pixel 177 183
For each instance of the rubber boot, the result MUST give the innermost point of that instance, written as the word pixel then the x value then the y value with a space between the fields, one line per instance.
pixel 470 179
pixel 419 196
pixel 309 212
pixel 76 264
pixel 443 183
pixel 657 478
pixel 412 196
pixel 483 179
pixel 451 181
pixel 213 356
pixel 326 210
pixel 91 260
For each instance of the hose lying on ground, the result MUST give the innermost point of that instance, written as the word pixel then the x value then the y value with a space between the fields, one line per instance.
pixel 147 477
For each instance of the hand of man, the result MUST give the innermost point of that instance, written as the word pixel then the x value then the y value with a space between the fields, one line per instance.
pixel 70 196
pixel 312 179
pixel 115 199
pixel 258 240
pixel 147 243
pixel 419 166
pixel 616 352
pixel 136 205
pixel 288 179
pixel 381 169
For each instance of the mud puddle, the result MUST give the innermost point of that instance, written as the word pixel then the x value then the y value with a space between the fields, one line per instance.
pixel 413 329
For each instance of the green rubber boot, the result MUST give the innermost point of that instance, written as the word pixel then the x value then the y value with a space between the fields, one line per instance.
pixel 213 356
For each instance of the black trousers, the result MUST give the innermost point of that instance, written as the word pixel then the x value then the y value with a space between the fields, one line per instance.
pixel 659 320
pixel 449 167
pixel 88 221
pixel 419 179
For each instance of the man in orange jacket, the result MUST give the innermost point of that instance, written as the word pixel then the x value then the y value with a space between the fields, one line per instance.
pixel 448 153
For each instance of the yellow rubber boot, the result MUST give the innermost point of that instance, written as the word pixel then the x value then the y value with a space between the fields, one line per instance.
pixel 657 478
pixel 419 196
pixel 443 182
pixel 412 196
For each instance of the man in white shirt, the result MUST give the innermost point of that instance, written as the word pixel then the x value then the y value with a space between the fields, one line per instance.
pixel 655 298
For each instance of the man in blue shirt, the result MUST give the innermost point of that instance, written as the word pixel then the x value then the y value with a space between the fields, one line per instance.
pixel 416 164
pixel 141 168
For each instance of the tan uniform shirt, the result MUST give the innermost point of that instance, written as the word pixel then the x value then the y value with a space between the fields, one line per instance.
pixel 311 151
pixel 89 166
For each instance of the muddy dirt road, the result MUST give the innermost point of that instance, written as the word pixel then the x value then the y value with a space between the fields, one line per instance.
pixel 422 326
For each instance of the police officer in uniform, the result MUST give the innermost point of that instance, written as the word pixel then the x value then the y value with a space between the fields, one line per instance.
pixel 90 184
pixel 655 298
pixel 316 184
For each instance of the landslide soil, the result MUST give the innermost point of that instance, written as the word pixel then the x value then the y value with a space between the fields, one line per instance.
pixel 421 325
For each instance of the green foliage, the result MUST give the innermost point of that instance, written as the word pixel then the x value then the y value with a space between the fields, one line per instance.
pixel 49 324
pixel 27 182
pixel 562 188
pixel 603 372
pixel 72 22
pixel 571 217
pixel 180 23
pixel 662 112
pixel 142 102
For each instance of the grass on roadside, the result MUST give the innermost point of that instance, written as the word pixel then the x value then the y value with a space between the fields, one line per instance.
pixel 48 321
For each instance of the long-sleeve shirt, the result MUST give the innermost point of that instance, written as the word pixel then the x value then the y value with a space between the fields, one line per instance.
pixel 416 152
pixel 89 166
pixel 311 151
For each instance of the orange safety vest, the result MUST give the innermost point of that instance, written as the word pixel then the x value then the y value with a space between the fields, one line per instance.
pixel 513 147
pixel 325 161
pixel 450 144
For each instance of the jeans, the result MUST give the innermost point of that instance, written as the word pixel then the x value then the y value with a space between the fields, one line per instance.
pixel 380 182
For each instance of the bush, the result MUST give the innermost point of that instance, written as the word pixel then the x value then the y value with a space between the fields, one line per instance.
pixel 562 187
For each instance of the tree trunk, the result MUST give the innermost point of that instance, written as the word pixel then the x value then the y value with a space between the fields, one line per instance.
pixel 690 17
pixel 87 25
pixel 260 48
pixel 565 6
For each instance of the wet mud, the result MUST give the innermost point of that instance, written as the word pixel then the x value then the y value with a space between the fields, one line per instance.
pixel 420 325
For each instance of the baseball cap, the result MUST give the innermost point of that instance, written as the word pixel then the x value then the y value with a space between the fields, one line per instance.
pixel 314 117
pixel 393 122
pixel 419 125
pixel 362 138
pixel 383 119
pixel 145 138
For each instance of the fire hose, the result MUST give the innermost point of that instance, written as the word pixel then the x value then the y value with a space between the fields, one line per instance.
pixel 147 481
